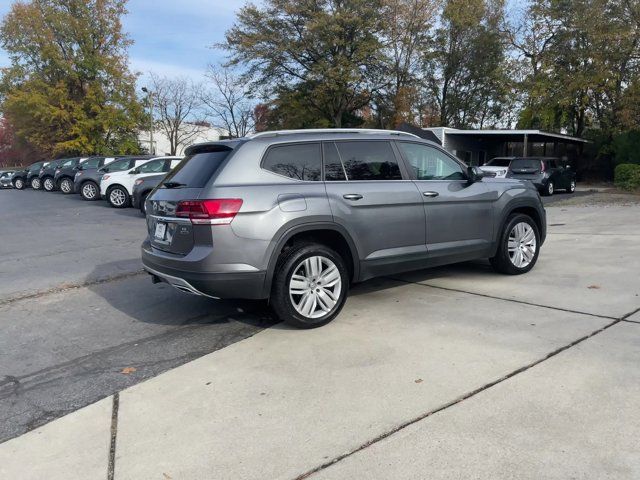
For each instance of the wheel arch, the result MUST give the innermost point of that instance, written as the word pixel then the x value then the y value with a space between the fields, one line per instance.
pixel 527 208
pixel 327 233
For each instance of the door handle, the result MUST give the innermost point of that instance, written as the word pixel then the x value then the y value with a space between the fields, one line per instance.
pixel 430 194
pixel 352 196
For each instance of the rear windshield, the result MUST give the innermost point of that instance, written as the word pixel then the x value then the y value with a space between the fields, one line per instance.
pixel 196 169
pixel 499 162
pixel 525 163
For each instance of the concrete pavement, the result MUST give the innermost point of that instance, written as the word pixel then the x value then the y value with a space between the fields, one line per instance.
pixel 453 373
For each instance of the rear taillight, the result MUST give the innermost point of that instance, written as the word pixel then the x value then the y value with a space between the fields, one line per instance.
pixel 541 166
pixel 220 211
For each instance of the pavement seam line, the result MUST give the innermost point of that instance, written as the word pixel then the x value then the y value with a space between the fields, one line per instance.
pixel 67 287
pixel 460 399
pixel 632 321
pixel 513 300
pixel 111 463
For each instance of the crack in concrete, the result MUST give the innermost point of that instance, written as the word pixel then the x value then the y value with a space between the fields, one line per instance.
pixel 472 393
pixel 67 287
pixel 111 463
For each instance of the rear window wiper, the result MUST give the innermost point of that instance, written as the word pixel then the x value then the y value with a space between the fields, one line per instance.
pixel 174 184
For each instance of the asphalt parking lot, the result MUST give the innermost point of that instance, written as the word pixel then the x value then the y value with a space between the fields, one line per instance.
pixel 440 373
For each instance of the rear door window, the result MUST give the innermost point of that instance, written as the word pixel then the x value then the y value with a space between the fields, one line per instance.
pixel 119 165
pixel 369 160
pixel 154 166
pixel 298 161
pixel 196 169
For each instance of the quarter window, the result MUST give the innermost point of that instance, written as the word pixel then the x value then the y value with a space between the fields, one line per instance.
pixel 299 161
pixel 369 161
pixel 431 164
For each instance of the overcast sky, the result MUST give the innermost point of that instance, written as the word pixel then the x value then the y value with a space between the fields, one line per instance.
pixel 171 37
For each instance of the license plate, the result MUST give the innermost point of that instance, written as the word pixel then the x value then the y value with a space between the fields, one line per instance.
pixel 161 230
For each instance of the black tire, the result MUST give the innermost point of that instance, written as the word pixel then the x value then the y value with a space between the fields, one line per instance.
pixel 90 191
pixel 572 186
pixel 502 261
pixel 66 186
pixel 36 184
pixel 548 189
pixel 121 192
pixel 143 199
pixel 281 301
pixel 48 184
pixel 18 184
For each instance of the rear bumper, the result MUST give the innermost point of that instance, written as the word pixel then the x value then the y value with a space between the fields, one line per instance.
pixel 229 285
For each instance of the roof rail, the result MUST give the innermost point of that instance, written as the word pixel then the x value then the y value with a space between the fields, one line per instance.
pixel 276 133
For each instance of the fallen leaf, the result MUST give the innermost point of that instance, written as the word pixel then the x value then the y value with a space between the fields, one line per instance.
pixel 419 380
pixel 128 370
pixel 166 476
pixel 594 287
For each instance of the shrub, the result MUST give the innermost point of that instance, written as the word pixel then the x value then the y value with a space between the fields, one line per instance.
pixel 627 176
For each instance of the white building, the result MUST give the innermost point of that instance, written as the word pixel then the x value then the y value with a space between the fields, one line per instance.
pixel 192 133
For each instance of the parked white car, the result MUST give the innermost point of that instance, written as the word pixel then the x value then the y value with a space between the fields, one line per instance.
pixel 117 187
pixel 498 165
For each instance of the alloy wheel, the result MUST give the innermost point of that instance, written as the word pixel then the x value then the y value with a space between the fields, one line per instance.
pixel 65 186
pixel 117 197
pixel 550 188
pixel 572 187
pixel 48 184
pixel 89 191
pixel 19 184
pixel 522 245
pixel 35 184
pixel 315 287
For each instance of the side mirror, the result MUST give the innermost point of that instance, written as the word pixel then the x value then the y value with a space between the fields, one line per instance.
pixel 475 174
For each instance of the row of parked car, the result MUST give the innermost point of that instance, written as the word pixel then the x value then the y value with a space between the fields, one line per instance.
pixel 121 181
pixel 548 174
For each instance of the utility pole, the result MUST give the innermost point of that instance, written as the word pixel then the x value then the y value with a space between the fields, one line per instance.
pixel 150 97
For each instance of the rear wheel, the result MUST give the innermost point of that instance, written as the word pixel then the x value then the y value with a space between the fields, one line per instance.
pixel 36 184
pixel 309 286
pixel 118 197
pixel 519 246
pixel 548 189
pixel 89 191
pixel 18 183
pixel 66 186
pixel 572 186
pixel 48 184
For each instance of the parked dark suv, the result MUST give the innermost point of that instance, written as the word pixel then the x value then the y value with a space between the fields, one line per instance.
pixel 297 216
pixel 547 174
pixel 142 188
pixel 48 171
pixel 66 172
pixel 31 176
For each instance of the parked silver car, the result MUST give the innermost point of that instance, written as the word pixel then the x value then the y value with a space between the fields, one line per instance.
pixel 297 216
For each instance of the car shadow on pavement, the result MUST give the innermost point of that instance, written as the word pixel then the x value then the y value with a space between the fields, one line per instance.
pixel 133 294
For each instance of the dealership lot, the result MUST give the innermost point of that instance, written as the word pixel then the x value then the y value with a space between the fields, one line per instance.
pixel 447 371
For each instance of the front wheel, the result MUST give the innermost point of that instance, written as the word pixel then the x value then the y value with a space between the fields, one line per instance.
pixel 310 285
pixel 118 197
pixel 89 191
pixel 519 246
pixel 36 184
pixel 572 187
pixel 19 184
pixel 548 189
pixel 66 186
pixel 48 184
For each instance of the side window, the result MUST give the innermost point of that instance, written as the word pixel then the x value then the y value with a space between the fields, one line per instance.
pixel 155 166
pixel 91 163
pixel 429 163
pixel 369 161
pixel 333 169
pixel 299 161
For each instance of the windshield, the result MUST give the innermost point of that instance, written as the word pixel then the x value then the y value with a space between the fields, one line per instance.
pixel 118 165
pixel 499 162
pixel 525 164
pixel 196 169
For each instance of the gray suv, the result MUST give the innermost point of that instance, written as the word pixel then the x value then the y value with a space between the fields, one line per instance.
pixel 297 216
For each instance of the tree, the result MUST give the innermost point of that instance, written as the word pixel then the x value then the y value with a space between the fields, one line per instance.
pixel 177 102
pixel 466 71
pixel 328 48
pixel 68 89
pixel 229 101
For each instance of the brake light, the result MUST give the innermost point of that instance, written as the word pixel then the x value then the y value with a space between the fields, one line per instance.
pixel 220 211
pixel 541 165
